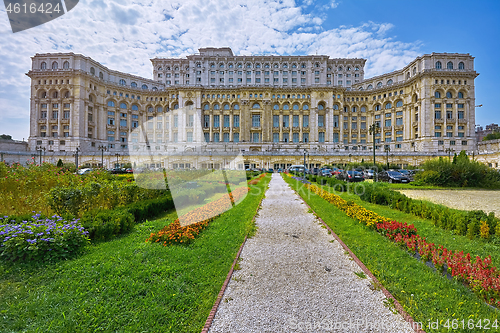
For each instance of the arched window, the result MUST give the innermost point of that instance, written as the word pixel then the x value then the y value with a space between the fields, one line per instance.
pixel 399 104
pixel 55 94
pixel 236 106
pixel 55 65
pixel 66 65
pixel 206 107
pixel 438 65
pixel 43 65
pixel 461 65
pixel 256 106
pixel 340 68
pixel 249 65
pixel 354 109
pixel 389 82
pixel 66 95
pixel 155 88
pixel 150 109
pixel 101 76
pixel 379 84
pixel 460 95
pixel 144 87
pixel 123 106
pixel 176 106
pixel 449 95
pixel 159 109
pixel 369 87
pixel 133 85
pixel 321 107
pixel 135 107
pixel 437 94
pixel 285 65
pixel 363 109
pixel 286 107
pixel 43 95
pixel 388 106
pixel 122 82
pixel 92 70
pixel 295 107
pixel 226 106
pixel 111 103
pixel 305 107
pixel 377 107
pixel 276 107
pixel 449 65
pixel 216 106
pixel 335 106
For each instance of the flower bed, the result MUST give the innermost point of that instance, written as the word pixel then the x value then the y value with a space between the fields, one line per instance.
pixel 196 220
pixel 479 274
pixel 40 238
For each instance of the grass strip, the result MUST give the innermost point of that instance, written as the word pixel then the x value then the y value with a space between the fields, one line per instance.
pixel 127 285
pixel 425 295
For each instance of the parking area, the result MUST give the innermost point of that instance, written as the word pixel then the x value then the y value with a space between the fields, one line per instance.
pixel 460 199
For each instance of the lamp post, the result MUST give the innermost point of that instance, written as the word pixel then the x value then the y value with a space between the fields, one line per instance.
pixel 76 157
pixel 387 150
pixel 40 149
pixel 102 149
pixel 117 163
pixel 374 128
pixel 305 164
pixel 449 150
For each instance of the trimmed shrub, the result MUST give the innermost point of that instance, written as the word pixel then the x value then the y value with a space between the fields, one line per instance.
pixel 105 224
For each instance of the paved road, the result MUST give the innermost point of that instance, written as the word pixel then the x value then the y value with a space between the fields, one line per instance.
pixel 485 200
pixel 293 279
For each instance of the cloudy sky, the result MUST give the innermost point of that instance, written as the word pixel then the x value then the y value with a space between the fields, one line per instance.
pixel 124 35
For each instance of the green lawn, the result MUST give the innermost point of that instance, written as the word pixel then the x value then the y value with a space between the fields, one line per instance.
pixel 424 294
pixel 127 285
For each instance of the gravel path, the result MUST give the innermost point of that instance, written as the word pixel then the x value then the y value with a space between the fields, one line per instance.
pixel 293 279
pixel 460 199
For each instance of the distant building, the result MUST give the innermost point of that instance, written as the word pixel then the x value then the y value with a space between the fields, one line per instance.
pixel 481 133
pixel 275 105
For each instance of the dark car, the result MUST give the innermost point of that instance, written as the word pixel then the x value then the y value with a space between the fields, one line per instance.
pixel 351 176
pixel 270 170
pixel 315 171
pixel 393 177
pixel 406 173
pixel 116 171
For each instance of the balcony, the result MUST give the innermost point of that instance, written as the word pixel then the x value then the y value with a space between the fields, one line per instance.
pixel 439 121
pixel 462 121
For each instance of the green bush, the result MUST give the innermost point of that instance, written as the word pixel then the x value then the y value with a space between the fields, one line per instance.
pixel 150 208
pixel 105 224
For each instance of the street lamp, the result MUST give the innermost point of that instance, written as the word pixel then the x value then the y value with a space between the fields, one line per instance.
pixel 387 150
pixel 305 164
pixel 76 157
pixel 102 149
pixel 117 163
pixel 374 128
pixel 449 151
pixel 40 149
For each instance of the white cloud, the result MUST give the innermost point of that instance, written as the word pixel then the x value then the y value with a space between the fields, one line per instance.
pixel 124 35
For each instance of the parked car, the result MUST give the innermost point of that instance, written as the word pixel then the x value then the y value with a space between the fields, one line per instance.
pixel 326 173
pixel 406 173
pixel 116 171
pixel 315 171
pixel 85 171
pixel 392 176
pixel 351 176
pixel 368 173
pixel 336 171
pixel 270 170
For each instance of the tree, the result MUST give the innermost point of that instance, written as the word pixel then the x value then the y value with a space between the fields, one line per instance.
pixel 492 136
pixel 60 163
pixel 5 137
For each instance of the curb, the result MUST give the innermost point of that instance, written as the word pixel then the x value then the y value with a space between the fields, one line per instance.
pixel 211 316
pixel 387 294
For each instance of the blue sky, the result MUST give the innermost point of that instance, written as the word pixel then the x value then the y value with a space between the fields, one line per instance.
pixel 125 34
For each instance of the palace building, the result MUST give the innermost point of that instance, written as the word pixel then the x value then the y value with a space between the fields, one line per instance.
pixel 269 108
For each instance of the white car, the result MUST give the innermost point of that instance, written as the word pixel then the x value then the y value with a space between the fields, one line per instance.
pixel 84 171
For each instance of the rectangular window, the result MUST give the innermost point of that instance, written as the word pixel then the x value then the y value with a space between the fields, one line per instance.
pixel 460 106
pixel 190 120
pixel 256 120
pixel 158 125
pixel 207 137
pixel 437 105
pixel 55 114
pixel 216 122
pixel 123 122
pixel 236 121
pixel 226 120
pixel 305 121
pixel 276 121
pixel 437 134
pixel 460 114
pixel 236 137
pixel 335 121
pixel 176 137
pixel 216 137
pixel 255 137
pixel 286 137
pixel 135 124
pixel 437 114
pixel 276 137
pixel 354 126
pixel 452 142
pixel 43 115
pixel 295 137
pixel 285 121
pixel 461 134
pixel 449 106
pixel 305 137
pixel 346 125
pixel 449 134
pixel 449 114
pixel 399 121
pixel 335 137
pixel 321 136
pixel 66 115
pixel 111 121
pixel 321 121
pixel 295 121
pixel 176 121
pixel 387 123
pixel 226 137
